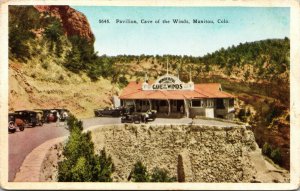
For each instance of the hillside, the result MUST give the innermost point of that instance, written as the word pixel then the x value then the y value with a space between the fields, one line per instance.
pixel 40 66
pixel 256 72
pixel 49 90
pixel 54 64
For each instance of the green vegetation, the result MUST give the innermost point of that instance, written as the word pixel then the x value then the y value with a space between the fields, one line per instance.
pixel 266 150
pixel 81 164
pixel 268 58
pixel 276 156
pixel 161 175
pixel 273 153
pixel 41 37
pixel 22 19
pixel 139 174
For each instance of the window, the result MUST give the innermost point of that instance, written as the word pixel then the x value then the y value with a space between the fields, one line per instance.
pixel 210 103
pixel 220 104
pixel 163 103
pixel 197 103
pixel 204 103
pixel 145 102
pixel 174 102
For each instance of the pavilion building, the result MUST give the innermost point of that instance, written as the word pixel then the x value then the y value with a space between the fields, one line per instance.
pixel 172 97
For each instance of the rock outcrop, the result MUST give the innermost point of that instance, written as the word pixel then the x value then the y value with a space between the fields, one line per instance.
pixel 74 22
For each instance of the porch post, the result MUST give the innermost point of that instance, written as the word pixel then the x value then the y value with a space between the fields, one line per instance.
pixel 169 109
pixel 186 107
pixel 150 104
pixel 134 105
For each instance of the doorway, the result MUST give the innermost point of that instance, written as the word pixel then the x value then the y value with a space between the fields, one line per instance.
pixel 180 106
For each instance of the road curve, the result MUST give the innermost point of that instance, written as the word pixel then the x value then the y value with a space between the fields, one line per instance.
pixel 22 143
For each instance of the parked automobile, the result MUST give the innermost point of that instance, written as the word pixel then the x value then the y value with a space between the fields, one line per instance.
pixel 52 116
pixel 63 114
pixel 40 115
pixel 149 115
pixel 29 117
pixel 45 113
pixel 15 122
pixel 114 112
pixel 131 118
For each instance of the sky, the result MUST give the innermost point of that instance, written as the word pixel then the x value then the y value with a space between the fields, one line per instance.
pixel 245 24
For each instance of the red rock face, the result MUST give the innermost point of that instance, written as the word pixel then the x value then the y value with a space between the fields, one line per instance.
pixel 74 22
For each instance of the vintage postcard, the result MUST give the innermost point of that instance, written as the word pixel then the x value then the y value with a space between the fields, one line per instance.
pixel 186 95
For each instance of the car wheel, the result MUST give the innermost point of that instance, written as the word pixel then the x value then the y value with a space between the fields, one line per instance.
pixel 21 128
pixel 11 130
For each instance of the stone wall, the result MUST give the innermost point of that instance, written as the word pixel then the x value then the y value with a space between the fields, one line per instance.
pixel 208 154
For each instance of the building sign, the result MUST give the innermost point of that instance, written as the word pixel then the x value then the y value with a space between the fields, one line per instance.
pixel 168 82
pixel 167 86
pixel 167 79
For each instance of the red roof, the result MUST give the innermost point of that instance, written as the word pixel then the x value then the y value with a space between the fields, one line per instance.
pixel 209 90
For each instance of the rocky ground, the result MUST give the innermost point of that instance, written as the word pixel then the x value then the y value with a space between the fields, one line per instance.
pixel 44 90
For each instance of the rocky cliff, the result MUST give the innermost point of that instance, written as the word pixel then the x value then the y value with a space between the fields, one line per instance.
pixel 74 22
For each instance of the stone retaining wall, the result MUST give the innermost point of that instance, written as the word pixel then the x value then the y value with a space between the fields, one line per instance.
pixel 192 153
pixel 209 154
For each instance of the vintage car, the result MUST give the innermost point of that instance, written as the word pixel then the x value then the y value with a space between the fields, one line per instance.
pixel 40 115
pixel 48 115
pixel 131 118
pixel 52 116
pixel 44 112
pixel 15 122
pixel 114 112
pixel 31 118
pixel 63 114
pixel 149 115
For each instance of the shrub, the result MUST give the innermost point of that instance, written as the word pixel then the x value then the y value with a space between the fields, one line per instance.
pixel 61 77
pixel 104 167
pixel 74 123
pixel 53 31
pixel 266 150
pixel 161 175
pixel 139 173
pixel 276 156
pixel 33 75
pixel 273 153
pixel 123 81
pixel 45 65
pixel 81 164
